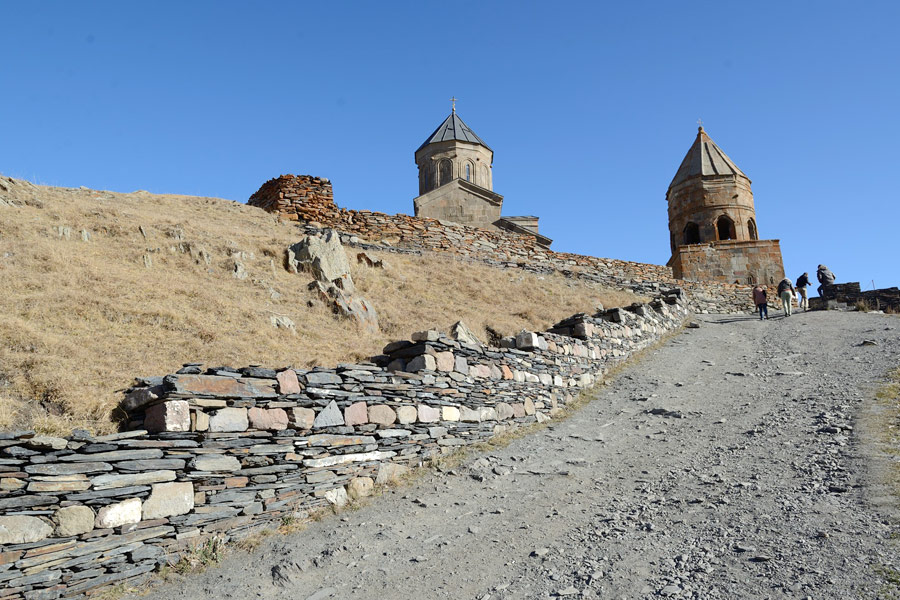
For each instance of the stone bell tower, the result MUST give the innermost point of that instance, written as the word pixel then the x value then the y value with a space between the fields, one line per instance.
pixel 712 221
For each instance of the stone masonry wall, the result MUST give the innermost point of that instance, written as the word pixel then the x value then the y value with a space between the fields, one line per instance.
pixel 227 452
pixel 729 261
pixel 309 201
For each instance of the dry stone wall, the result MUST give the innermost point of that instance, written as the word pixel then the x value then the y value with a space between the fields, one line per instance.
pixel 309 201
pixel 227 452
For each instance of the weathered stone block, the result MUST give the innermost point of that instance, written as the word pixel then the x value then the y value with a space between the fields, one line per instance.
pixel 73 520
pixel 467 415
pixel 445 361
pixel 303 418
pixel 288 382
pixel 222 387
pixel 173 415
pixel 337 497
pixel 527 340
pixel 45 442
pixel 449 413
pixel 215 462
pixel 168 500
pixel 461 365
pixel 200 421
pixel 356 414
pixel 268 419
pixel 529 406
pixel 118 514
pixel 108 482
pixel 487 413
pixel 426 336
pixel 389 473
pixel 428 414
pixel 330 416
pixel 504 411
pixel 382 415
pixel 360 487
pixel 506 372
pixel 229 420
pixel 407 414
pixel 18 529
pixel 423 362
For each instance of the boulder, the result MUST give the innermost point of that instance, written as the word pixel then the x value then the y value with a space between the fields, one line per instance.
pixel 444 361
pixel 390 472
pixel 423 362
pixel 360 487
pixel 324 257
pixel 337 497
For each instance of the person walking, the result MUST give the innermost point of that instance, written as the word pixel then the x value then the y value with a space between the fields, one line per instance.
pixel 825 277
pixel 802 284
pixel 761 302
pixel 786 293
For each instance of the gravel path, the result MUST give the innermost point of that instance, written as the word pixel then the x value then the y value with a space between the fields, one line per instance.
pixel 733 462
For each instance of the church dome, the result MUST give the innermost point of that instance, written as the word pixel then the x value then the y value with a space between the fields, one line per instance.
pixel 453 129
pixel 705 159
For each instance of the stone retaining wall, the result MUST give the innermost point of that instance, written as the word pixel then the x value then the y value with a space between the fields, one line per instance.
pixel 227 452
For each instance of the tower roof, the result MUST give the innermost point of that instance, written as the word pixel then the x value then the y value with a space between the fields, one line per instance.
pixel 453 128
pixel 705 158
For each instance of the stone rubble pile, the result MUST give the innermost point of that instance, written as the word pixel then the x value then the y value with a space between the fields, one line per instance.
pixel 223 452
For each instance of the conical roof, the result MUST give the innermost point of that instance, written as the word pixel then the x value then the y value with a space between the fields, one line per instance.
pixel 705 158
pixel 453 128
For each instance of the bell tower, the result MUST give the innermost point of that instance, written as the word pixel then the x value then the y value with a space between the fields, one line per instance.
pixel 713 233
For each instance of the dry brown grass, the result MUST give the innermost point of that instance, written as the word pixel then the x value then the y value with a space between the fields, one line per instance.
pixel 80 319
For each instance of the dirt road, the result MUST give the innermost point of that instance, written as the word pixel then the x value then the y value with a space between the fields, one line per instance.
pixel 736 461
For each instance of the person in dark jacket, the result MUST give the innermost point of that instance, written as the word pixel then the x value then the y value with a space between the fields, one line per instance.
pixel 802 284
pixel 786 293
pixel 825 277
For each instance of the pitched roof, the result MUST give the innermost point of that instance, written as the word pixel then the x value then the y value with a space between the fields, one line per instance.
pixel 453 128
pixel 705 158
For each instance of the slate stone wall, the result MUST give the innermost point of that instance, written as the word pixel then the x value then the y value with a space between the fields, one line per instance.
pixel 227 452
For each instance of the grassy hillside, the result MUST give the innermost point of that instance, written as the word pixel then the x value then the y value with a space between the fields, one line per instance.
pixel 99 287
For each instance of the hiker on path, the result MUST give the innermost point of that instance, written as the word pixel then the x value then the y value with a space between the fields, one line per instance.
pixel 786 293
pixel 825 277
pixel 761 302
pixel 802 284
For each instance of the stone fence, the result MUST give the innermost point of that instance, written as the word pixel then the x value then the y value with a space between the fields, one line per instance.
pixel 310 201
pixel 222 452
pixel 843 295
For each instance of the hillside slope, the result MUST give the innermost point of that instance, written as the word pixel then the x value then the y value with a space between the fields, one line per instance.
pixel 99 287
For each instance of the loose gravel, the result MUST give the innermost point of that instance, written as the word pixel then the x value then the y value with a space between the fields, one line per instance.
pixel 738 460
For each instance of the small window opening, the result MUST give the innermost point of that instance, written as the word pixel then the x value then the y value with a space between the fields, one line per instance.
pixel 725 228
pixel 468 172
pixel 692 233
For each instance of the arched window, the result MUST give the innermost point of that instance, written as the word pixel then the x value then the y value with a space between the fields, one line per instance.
pixel 751 228
pixel 725 228
pixel 468 172
pixel 691 233
pixel 446 173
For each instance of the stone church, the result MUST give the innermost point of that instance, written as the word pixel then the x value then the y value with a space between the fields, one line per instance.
pixel 456 182
pixel 712 221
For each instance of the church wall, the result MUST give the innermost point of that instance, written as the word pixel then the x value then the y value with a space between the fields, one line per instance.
pixel 744 262
pixel 452 203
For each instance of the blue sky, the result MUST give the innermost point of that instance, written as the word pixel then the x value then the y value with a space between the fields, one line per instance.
pixel 588 106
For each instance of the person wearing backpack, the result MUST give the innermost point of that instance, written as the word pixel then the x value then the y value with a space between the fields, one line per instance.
pixel 786 293
pixel 802 284
pixel 825 277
